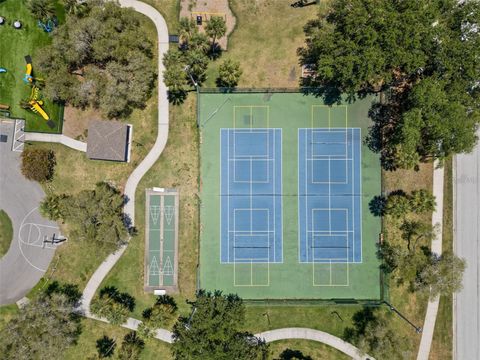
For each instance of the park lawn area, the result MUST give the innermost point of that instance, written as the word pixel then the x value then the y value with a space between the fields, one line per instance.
pixel 6 233
pixel 306 348
pixel 93 330
pixel 176 168
pixel 411 305
pixel 6 314
pixel 442 344
pixel 15 45
pixel 73 261
pixel 265 42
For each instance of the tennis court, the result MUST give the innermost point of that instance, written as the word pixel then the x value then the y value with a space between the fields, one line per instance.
pixel 161 252
pixel 285 186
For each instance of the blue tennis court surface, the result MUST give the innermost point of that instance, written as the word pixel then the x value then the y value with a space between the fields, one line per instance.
pixel 329 163
pixel 251 201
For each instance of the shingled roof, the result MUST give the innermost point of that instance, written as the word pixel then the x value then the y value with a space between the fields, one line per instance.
pixel 107 140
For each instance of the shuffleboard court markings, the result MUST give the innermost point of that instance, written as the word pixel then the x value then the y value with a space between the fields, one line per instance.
pixel 161 257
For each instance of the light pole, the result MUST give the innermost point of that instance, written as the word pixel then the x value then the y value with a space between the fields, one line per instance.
pixel 418 329
pixel 187 70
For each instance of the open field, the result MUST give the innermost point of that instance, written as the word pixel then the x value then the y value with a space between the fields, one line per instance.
pixel 6 232
pixel 15 45
pixel 307 348
pixel 93 330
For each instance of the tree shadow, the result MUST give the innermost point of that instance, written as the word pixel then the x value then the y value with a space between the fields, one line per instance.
pixel 360 321
pixel 377 205
pixel 289 354
pixel 177 97
pixel 215 51
pixel 302 3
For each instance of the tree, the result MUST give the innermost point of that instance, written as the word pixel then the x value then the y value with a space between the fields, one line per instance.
pixel 289 354
pixel 94 215
pixel 161 314
pixel 103 59
pixel 132 347
pixel 52 207
pixel 105 346
pixel 423 56
pixel 187 29
pixel 397 205
pixel 414 231
pixel 113 305
pixel 54 316
pixel 42 9
pixel 371 334
pixel 70 291
pixel 442 275
pixel 210 332
pixel 229 73
pixel 215 29
pixel 38 164
pixel 422 201
pixel 76 7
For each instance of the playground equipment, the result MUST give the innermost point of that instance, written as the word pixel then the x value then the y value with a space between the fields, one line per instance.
pixel 2 20
pixel 3 70
pixel 37 108
pixel 4 107
pixel 47 26
pixel 17 24
pixel 28 78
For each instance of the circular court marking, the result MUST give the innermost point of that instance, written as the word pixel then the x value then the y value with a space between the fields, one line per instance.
pixel 32 234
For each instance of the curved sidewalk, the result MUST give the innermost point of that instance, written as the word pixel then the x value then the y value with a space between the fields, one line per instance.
pixel 314 335
pixel 57 138
pixel 436 247
pixel 148 161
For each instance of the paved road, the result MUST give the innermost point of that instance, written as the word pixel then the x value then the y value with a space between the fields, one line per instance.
pixel 467 239
pixel 152 156
pixel 436 247
pixel 27 259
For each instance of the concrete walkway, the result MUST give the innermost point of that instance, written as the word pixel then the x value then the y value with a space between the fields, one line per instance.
pixel 436 247
pixel 314 335
pixel 57 138
pixel 151 157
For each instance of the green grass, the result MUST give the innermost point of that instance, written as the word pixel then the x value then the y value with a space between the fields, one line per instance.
pixel 6 233
pixel 7 312
pixel 290 279
pixel 93 330
pixel 307 348
pixel 443 334
pixel 14 46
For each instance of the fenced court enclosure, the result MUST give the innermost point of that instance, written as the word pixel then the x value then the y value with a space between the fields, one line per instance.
pixel 161 250
pixel 285 186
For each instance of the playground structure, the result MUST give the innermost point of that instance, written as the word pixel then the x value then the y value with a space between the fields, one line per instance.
pixel 28 78
pixel 36 104
pixel 49 25
pixel 3 70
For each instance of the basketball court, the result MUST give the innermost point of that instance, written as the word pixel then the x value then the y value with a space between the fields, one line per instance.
pixel 161 252
pixel 285 182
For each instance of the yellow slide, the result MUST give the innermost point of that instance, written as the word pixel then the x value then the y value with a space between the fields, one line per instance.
pixel 36 106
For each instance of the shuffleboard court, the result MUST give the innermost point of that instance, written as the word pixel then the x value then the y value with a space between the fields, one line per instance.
pixel 286 182
pixel 161 252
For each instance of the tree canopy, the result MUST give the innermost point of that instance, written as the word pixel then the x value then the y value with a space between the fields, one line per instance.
pixel 102 58
pixel 211 331
pixel 113 305
pixel 423 55
pixel 43 329
pixel 94 215
pixel 38 164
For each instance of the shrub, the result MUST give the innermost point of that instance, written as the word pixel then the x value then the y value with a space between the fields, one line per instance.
pixel 38 164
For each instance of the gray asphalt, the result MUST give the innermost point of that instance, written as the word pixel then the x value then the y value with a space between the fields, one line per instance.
pixel 467 238
pixel 27 258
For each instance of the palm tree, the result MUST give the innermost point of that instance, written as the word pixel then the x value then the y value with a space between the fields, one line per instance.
pixel 215 29
pixel 75 7
pixel 42 9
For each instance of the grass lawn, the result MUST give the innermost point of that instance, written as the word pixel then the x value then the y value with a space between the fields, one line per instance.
pixel 93 330
pixel 6 232
pixel 15 45
pixel 73 261
pixel 6 313
pixel 306 348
